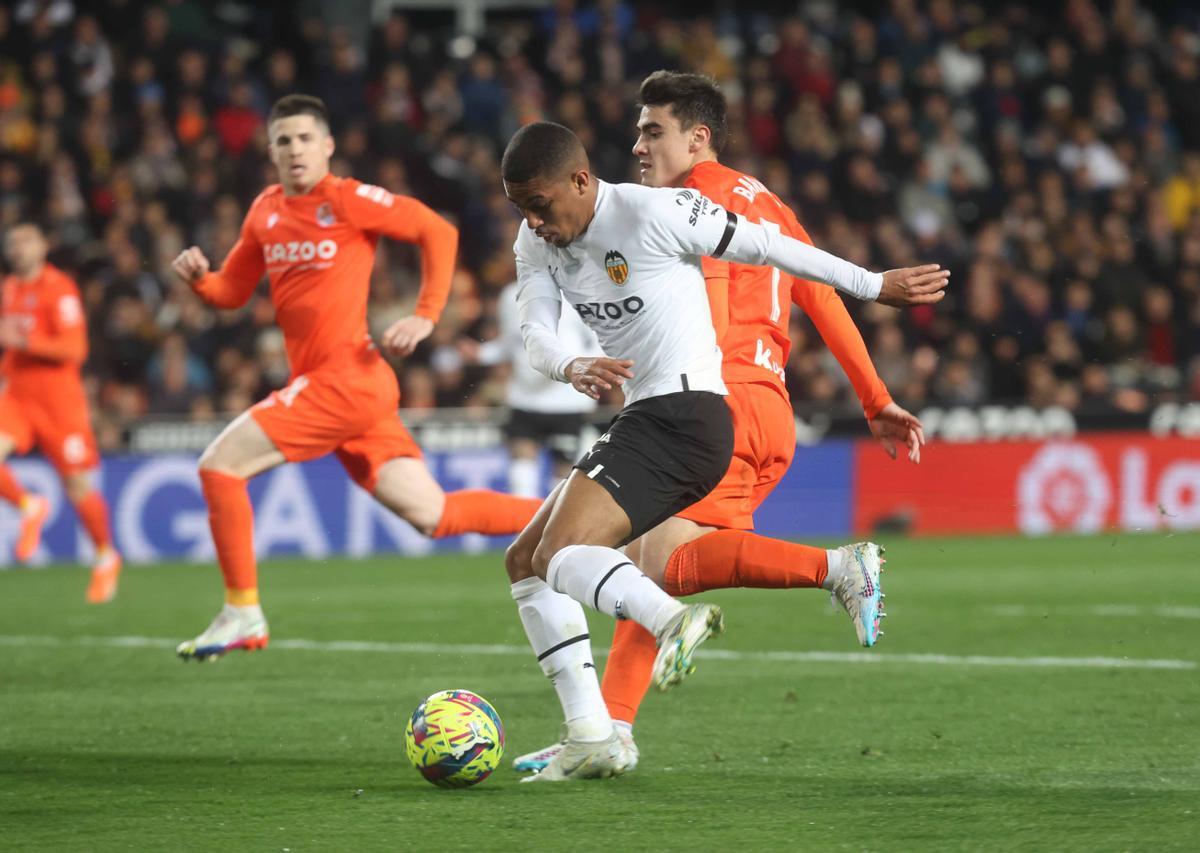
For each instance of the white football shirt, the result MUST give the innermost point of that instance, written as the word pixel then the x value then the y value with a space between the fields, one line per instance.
pixel 634 277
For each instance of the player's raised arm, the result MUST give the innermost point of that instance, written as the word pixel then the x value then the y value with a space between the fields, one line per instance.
pixel 408 220
pixel 690 223
pixel 234 284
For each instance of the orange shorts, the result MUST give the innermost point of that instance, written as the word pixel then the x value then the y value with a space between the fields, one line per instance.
pixel 62 431
pixel 347 411
pixel 764 441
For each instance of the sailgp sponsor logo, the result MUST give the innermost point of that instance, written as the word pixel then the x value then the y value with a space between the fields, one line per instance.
pixel 298 251
pixel 699 204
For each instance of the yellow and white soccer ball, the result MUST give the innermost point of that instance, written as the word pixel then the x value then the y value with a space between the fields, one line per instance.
pixel 455 739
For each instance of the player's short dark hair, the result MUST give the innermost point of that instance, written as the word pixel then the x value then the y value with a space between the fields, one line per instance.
pixel 299 105
pixel 693 98
pixel 539 150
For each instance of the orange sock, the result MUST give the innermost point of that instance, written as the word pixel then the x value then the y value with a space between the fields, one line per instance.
pixel 627 673
pixel 93 513
pixel 10 488
pixel 485 511
pixel 732 558
pixel 232 521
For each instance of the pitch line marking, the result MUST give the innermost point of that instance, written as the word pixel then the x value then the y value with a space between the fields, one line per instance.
pixel 1103 610
pixel 875 658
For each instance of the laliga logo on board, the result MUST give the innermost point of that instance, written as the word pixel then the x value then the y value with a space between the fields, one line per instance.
pixel 1064 487
pixel 1067 486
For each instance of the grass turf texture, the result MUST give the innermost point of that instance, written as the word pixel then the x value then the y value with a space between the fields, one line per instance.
pixel 108 747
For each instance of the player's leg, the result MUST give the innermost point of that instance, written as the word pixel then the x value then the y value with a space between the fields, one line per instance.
pixel 64 434
pixel 92 510
pixel 558 633
pixel 386 461
pixel 524 467
pixel 735 556
pixel 16 436
pixel 242 451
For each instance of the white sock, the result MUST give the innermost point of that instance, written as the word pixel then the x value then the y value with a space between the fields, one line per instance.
pixel 624 726
pixel 557 630
pixel 246 611
pixel 835 568
pixel 524 478
pixel 604 579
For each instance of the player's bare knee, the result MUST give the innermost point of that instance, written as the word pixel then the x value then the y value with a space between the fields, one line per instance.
pixel 77 487
pixel 546 549
pixel 212 460
pixel 425 522
pixel 518 560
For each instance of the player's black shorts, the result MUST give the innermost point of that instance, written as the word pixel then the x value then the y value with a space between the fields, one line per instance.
pixel 662 454
pixel 558 433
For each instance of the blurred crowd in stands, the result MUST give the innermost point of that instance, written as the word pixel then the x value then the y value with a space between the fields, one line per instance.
pixel 1049 153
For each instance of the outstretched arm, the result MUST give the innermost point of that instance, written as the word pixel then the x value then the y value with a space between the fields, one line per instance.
pixel 751 243
pixel 828 313
pixel 686 223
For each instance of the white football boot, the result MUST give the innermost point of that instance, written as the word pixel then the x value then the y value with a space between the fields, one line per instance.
pixel 857 589
pixel 586 760
pixel 234 628
pixel 679 640
pixel 532 762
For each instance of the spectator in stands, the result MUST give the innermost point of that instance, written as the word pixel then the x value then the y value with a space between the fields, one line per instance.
pixel 1053 156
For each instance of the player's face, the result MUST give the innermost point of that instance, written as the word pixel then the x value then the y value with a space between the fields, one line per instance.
pixel 25 249
pixel 300 147
pixel 665 151
pixel 557 209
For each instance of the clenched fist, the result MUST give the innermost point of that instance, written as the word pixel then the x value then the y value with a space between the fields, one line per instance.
pixel 191 265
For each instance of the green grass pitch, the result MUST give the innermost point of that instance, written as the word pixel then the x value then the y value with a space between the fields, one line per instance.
pixel 1029 694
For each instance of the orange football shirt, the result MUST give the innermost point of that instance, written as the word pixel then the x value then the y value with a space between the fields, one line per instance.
pixel 317 250
pixel 50 314
pixel 752 305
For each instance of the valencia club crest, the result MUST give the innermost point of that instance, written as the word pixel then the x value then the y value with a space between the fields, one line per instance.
pixel 616 266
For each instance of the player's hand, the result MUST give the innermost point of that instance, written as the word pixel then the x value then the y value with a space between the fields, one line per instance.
pixel 893 425
pixel 11 336
pixel 191 264
pixel 914 286
pixel 593 374
pixel 402 337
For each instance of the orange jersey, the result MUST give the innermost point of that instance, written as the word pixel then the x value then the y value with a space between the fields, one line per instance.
pixel 317 250
pixel 50 314
pixel 752 305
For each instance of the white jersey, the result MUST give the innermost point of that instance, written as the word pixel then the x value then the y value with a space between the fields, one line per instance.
pixel 529 390
pixel 634 277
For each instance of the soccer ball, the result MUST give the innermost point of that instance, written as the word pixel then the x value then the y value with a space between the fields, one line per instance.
pixel 455 739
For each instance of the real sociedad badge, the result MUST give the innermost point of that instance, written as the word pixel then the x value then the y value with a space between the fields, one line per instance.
pixel 616 266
